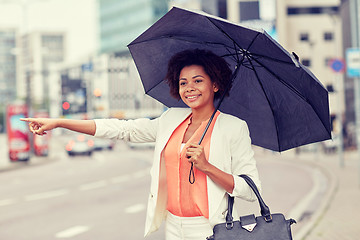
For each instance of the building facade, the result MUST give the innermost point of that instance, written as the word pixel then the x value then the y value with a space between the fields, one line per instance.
pixel 8 65
pixel 313 30
pixel 8 70
pixel 120 22
pixel 38 51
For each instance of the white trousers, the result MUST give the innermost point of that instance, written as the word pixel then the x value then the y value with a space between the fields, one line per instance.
pixel 187 228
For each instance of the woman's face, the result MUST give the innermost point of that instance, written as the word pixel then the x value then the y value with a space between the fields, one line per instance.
pixel 195 87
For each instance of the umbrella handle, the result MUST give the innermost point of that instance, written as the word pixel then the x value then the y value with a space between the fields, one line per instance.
pixel 191 174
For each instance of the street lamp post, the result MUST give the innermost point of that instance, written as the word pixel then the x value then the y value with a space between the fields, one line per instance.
pixel 355 36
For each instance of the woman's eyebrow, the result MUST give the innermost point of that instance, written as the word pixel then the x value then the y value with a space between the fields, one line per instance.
pixel 197 76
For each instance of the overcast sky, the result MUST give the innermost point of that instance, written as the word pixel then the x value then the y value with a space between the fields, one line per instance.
pixel 77 18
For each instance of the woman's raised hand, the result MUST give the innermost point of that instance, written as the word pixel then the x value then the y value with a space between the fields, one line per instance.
pixel 39 126
pixel 196 155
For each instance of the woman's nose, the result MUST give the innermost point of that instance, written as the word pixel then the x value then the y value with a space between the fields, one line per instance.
pixel 190 89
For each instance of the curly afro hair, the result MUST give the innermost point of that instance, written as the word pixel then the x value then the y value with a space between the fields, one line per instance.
pixel 214 66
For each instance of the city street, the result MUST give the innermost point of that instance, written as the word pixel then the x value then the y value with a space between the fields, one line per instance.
pixel 104 196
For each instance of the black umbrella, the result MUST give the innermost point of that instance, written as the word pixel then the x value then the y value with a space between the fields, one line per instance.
pixel 283 103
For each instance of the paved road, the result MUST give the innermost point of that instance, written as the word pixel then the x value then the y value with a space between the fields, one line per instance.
pixel 104 196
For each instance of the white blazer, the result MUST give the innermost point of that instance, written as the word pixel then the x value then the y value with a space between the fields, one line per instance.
pixel 230 151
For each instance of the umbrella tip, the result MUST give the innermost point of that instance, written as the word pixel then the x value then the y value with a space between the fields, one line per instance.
pixel 296 56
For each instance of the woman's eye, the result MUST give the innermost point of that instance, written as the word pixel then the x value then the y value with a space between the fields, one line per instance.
pixel 198 80
pixel 182 83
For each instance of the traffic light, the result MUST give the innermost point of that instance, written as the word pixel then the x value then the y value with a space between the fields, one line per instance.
pixel 66 105
pixel 97 92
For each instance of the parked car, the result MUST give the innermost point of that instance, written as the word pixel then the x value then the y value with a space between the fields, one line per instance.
pixel 81 145
pixel 102 144
pixel 144 145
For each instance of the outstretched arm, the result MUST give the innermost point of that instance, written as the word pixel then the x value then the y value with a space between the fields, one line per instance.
pixel 40 126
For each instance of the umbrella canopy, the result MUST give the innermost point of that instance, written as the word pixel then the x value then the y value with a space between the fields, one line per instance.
pixel 283 103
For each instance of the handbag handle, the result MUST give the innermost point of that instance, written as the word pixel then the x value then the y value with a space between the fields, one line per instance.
pixel 264 209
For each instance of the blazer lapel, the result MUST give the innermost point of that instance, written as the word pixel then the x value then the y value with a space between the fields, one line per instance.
pixel 171 123
pixel 216 157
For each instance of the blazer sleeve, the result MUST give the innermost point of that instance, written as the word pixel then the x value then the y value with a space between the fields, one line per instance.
pixel 139 130
pixel 243 162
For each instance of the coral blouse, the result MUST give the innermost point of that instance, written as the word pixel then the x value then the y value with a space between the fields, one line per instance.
pixel 185 199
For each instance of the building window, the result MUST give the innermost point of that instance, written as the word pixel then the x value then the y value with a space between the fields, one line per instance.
pixel 304 37
pixel 306 62
pixel 328 36
pixel 249 10
pixel 222 5
pixel 312 10
pixel 327 61
pixel 330 88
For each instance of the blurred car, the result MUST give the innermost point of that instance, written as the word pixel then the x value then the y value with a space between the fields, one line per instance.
pixel 101 144
pixel 19 150
pixel 81 145
pixel 144 145
pixel 41 145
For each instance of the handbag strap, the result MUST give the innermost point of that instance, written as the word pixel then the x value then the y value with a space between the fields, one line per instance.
pixel 264 209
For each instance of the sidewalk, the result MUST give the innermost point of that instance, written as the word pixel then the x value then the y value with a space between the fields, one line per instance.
pixel 336 217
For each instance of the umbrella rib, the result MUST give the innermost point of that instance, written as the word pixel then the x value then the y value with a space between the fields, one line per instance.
pixel 263 56
pixel 267 99
pixel 244 51
pixel 182 39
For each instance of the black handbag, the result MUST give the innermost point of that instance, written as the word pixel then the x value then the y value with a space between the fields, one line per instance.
pixel 265 227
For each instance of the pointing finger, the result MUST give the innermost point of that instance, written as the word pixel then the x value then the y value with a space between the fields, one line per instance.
pixel 27 119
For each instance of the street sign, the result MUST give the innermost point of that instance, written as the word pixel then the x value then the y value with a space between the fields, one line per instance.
pixel 337 65
pixel 87 67
pixel 353 62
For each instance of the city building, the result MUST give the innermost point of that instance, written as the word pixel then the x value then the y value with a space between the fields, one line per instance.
pixel 259 14
pixel 120 22
pixel 71 89
pixel 8 70
pixel 313 30
pixel 38 51
pixel 8 65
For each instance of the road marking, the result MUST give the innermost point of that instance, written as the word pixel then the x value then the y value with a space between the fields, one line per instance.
pixel 6 202
pixel 121 179
pixel 135 208
pixel 140 174
pixel 71 232
pixel 93 185
pixel 85 187
pixel 46 195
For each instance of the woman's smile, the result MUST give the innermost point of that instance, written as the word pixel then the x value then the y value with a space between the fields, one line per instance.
pixel 192 97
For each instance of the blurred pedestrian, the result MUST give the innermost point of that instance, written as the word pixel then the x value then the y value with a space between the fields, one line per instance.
pixel 197 77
